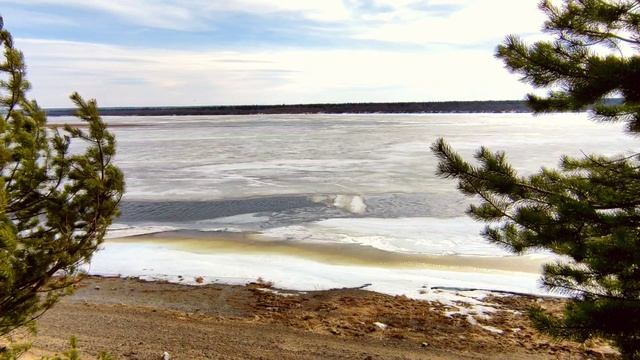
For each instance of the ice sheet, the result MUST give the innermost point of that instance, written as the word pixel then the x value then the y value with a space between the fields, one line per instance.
pixel 425 235
pixel 209 157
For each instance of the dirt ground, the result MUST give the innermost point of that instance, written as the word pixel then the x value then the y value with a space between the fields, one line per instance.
pixel 133 319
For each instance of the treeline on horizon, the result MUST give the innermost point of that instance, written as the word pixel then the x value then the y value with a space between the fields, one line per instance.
pixel 486 106
pixel 500 106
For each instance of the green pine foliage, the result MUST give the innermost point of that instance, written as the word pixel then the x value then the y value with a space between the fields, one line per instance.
pixel 55 206
pixel 588 210
pixel 73 353
pixel 16 351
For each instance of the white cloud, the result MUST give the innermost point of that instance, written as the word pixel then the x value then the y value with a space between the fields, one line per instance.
pixel 33 18
pixel 405 21
pixel 121 76
pixel 199 14
pixel 473 22
pixel 171 15
pixel 327 10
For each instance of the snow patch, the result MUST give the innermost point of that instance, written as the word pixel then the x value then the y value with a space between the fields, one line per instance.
pixel 380 325
pixel 492 329
pixel 279 293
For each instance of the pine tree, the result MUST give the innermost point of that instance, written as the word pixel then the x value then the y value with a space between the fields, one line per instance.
pixel 55 206
pixel 588 210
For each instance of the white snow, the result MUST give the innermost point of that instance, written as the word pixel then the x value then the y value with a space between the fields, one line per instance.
pixel 380 325
pixel 276 292
pixel 492 329
pixel 152 261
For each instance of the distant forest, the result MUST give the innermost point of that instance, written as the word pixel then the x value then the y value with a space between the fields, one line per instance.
pixel 349 108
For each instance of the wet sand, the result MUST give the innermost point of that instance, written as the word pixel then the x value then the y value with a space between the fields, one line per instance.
pixel 336 254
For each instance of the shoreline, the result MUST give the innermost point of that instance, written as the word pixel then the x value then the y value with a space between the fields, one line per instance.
pixel 135 319
pixel 478 106
pixel 330 253
pixel 239 258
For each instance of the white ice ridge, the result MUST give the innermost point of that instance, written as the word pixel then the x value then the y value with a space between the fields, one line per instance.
pixel 351 203
pixel 121 230
pixel 420 235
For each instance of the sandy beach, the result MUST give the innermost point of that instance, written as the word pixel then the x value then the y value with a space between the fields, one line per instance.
pixel 134 319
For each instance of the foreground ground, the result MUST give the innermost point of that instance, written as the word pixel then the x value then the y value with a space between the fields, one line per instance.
pixel 133 319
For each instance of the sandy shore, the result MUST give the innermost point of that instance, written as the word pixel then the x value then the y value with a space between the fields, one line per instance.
pixel 133 319
pixel 341 254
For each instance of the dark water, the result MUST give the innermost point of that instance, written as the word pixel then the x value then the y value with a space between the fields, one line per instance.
pixel 178 211
pixel 274 211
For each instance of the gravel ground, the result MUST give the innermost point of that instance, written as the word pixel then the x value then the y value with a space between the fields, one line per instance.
pixel 133 319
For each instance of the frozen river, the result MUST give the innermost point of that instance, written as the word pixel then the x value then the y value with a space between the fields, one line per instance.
pixel 316 201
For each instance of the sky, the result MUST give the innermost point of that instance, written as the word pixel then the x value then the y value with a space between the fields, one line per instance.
pixel 225 52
